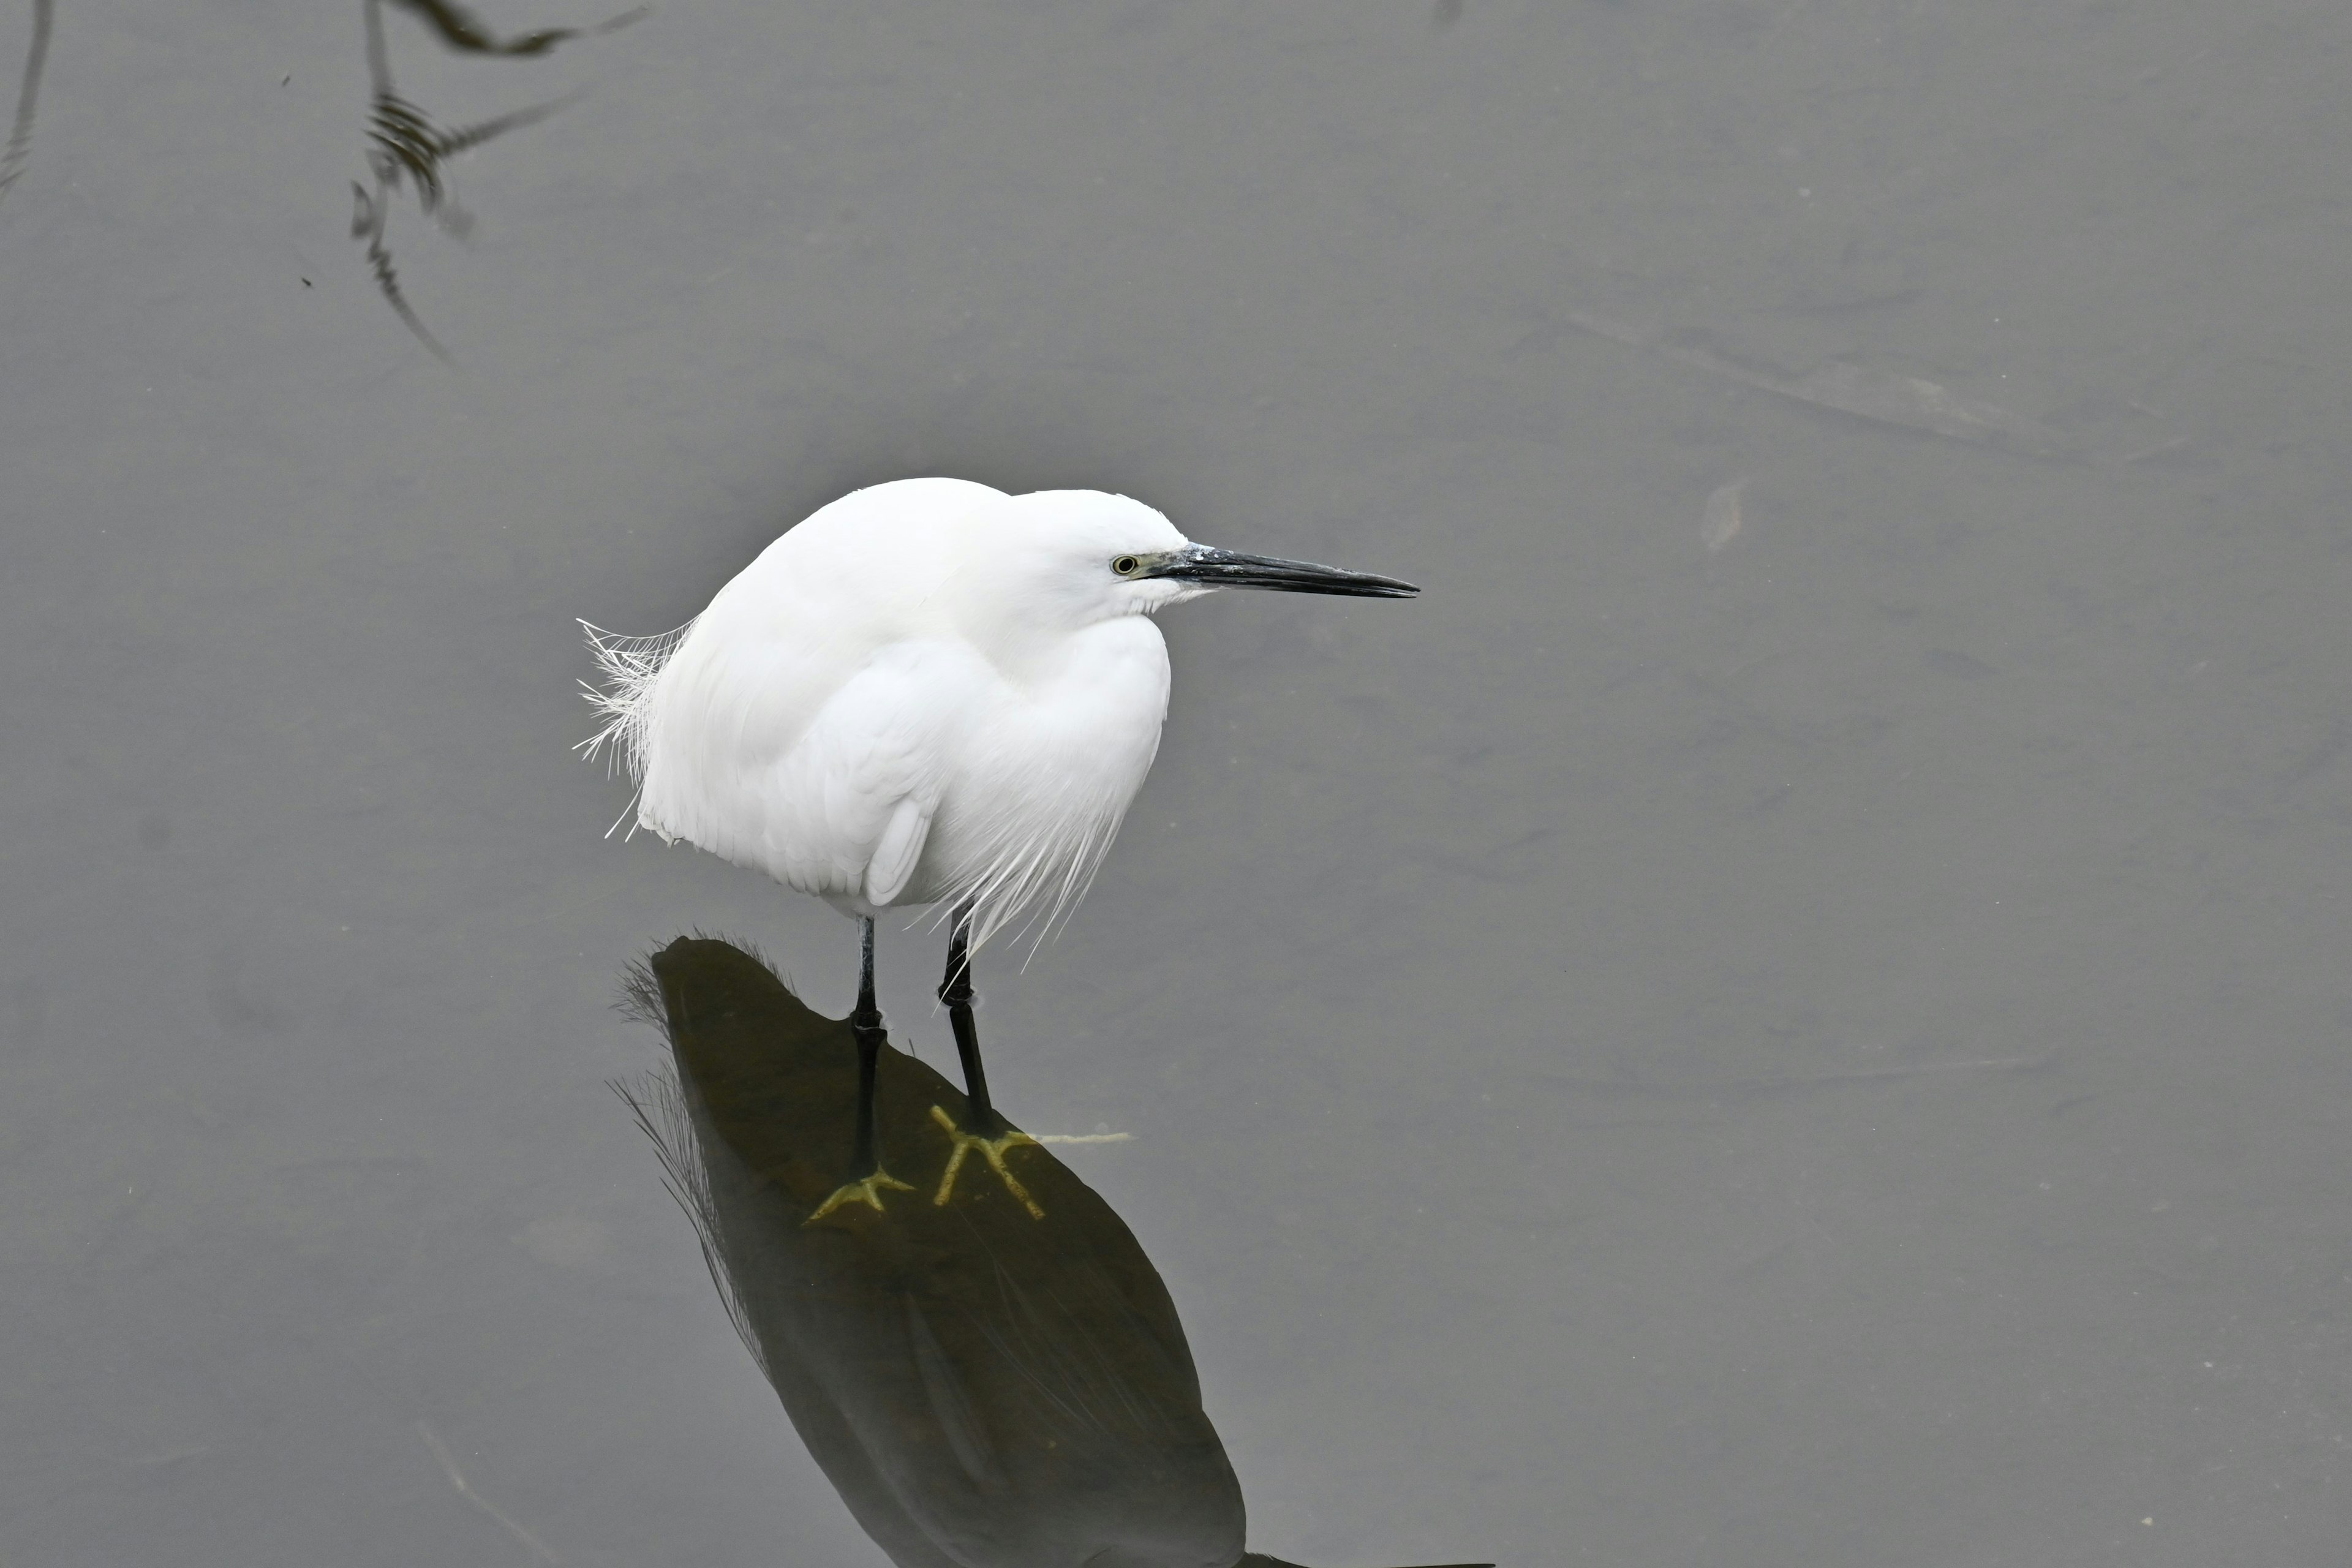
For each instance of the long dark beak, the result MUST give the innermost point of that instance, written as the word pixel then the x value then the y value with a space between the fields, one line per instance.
pixel 1216 568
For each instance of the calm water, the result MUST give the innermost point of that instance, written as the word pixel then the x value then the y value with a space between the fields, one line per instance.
pixel 1830 1049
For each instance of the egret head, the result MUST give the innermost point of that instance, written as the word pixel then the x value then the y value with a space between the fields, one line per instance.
pixel 1065 559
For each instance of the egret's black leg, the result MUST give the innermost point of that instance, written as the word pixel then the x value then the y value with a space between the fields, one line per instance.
pixel 982 1128
pixel 866 1176
pixel 865 1026
pixel 956 991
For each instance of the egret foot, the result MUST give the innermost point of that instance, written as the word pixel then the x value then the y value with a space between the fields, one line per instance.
pixel 992 1150
pixel 867 1191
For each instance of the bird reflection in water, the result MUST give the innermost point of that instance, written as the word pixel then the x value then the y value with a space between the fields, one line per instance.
pixel 405 145
pixel 985 1379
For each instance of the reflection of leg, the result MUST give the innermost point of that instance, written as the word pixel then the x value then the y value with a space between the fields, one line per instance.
pixel 866 1176
pixel 983 1128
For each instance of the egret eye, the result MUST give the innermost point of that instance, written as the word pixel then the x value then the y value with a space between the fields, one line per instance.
pixel 1126 565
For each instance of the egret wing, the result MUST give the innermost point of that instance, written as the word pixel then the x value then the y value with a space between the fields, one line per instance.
pixel 894 859
pixel 847 809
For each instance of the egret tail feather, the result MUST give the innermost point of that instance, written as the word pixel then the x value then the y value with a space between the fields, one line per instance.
pixel 629 667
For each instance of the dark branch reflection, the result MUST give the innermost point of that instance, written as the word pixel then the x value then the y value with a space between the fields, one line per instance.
pixel 983 1388
pixel 28 90
pixel 405 145
pixel 462 33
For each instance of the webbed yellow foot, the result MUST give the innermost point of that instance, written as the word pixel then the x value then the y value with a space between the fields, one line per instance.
pixel 993 1150
pixel 867 1191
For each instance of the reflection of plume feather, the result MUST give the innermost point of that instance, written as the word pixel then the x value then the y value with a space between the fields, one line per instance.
pixel 659 1106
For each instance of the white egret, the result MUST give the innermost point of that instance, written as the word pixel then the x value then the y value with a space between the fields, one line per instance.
pixel 928 692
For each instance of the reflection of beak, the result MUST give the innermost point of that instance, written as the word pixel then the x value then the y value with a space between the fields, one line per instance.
pixel 1214 568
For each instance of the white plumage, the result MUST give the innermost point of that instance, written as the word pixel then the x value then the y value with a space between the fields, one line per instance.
pixel 930 692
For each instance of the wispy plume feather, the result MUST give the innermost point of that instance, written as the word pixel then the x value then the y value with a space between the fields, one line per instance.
pixel 1043 877
pixel 630 668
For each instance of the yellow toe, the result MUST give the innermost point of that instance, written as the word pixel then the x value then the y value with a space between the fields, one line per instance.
pixel 867 1191
pixel 992 1150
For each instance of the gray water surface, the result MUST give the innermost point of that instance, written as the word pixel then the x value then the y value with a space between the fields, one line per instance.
pixel 1827 1050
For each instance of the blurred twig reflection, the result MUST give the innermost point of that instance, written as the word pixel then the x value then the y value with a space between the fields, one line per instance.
pixel 20 136
pixel 405 145
pixel 464 34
